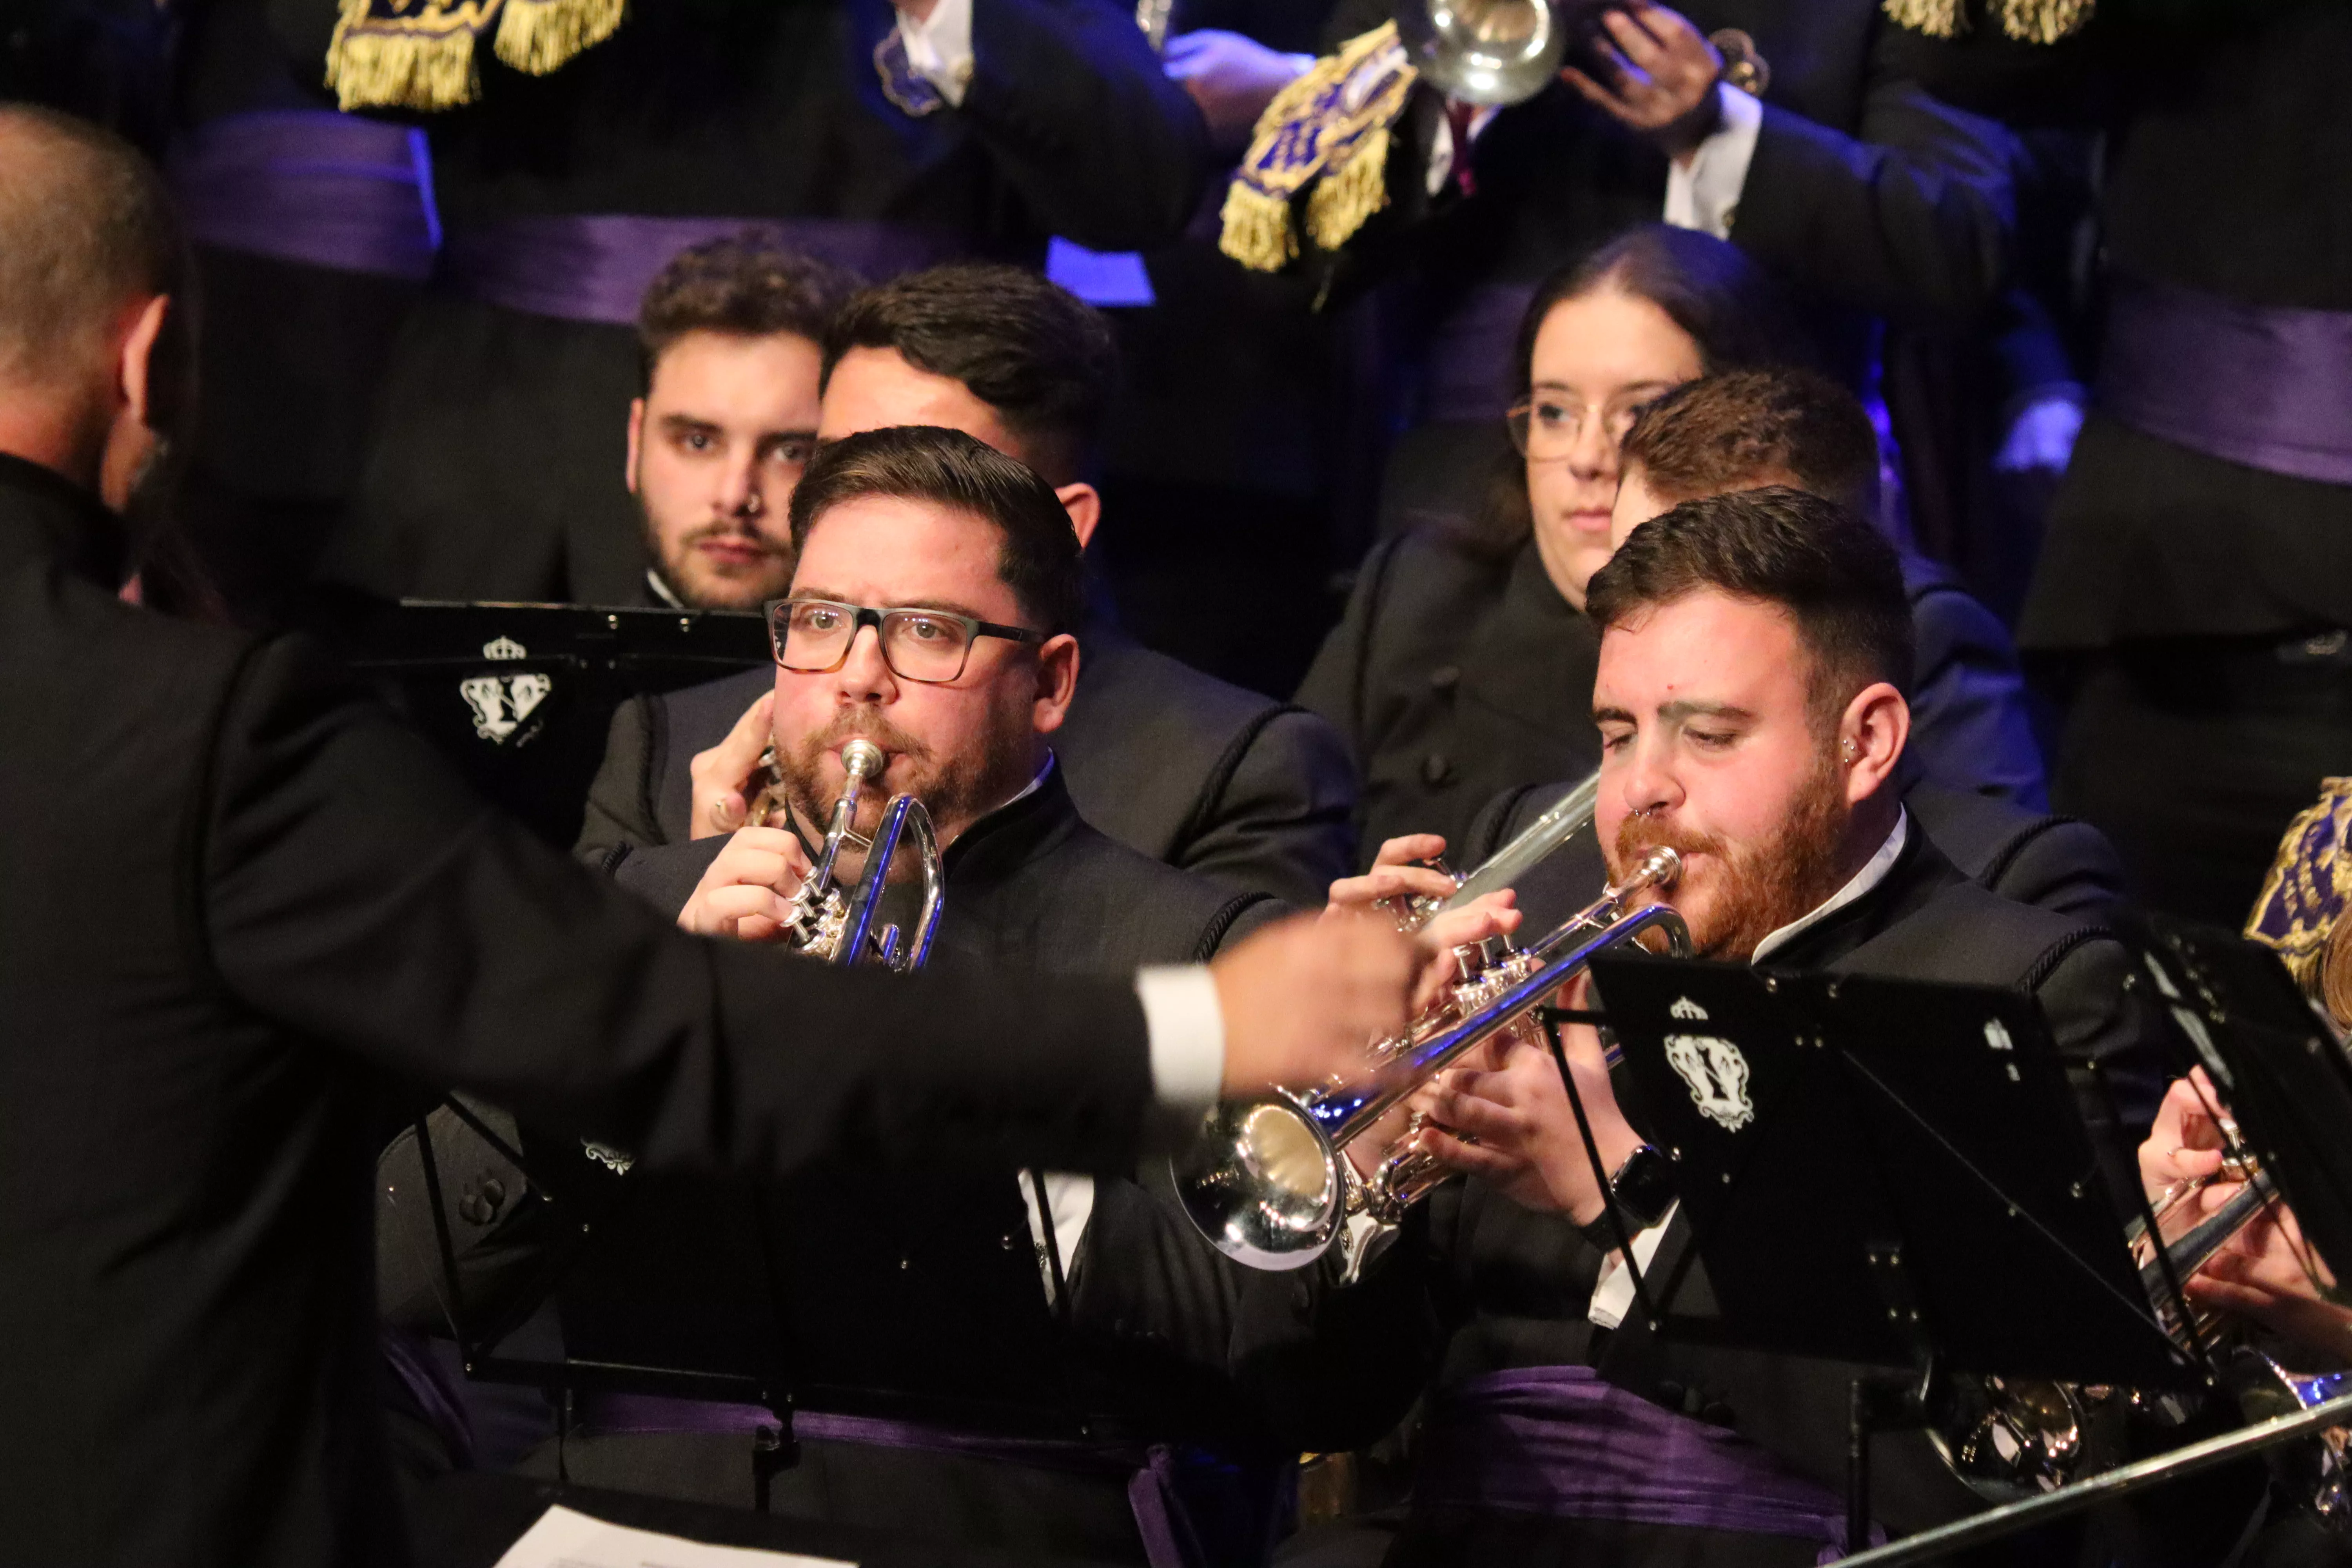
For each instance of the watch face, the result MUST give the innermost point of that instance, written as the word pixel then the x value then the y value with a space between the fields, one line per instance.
pixel 1644 1186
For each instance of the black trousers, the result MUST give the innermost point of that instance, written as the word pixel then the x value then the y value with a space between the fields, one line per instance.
pixel 2194 754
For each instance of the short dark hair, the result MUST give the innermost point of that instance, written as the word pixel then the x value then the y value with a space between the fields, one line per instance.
pixel 85 227
pixel 744 286
pixel 1833 573
pixel 1038 356
pixel 1748 427
pixel 1037 556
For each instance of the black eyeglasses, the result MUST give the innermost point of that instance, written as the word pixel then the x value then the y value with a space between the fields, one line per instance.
pixel 813 636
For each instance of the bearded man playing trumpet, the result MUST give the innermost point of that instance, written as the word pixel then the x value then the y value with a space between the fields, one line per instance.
pixel 929 619
pixel 1751 701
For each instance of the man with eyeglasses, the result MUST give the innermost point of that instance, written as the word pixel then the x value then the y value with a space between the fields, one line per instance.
pixel 1256 794
pixel 930 610
pixel 730 335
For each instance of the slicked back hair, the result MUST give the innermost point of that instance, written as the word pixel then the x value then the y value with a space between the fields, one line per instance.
pixel 1836 577
pixel 1037 551
pixel 1035 353
pixel 86 228
pixel 745 285
pixel 1749 427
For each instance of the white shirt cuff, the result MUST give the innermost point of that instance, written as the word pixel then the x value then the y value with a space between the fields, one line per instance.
pixel 1612 1297
pixel 1702 192
pixel 1187 1029
pixel 940 50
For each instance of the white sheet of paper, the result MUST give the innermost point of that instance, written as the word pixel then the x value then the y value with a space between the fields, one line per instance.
pixel 563 1538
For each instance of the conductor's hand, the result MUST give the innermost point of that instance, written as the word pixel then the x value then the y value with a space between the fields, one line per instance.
pixel 1656 72
pixel 1301 1000
pixel 747 891
pixel 722 775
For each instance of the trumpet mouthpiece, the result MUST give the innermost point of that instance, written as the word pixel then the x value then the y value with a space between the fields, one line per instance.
pixel 1658 868
pixel 862 759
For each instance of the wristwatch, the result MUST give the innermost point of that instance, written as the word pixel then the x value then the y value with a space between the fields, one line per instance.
pixel 1642 1190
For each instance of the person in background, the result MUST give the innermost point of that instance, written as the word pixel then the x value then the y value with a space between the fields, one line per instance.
pixel 1463 664
pixel 1250 793
pixel 732 333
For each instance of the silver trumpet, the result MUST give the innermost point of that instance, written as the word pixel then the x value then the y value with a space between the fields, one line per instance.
pixel 1268 1182
pixel 1490 51
pixel 824 924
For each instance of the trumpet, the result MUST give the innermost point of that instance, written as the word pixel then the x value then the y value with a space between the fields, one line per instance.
pixel 822 924
pixel 1269 1183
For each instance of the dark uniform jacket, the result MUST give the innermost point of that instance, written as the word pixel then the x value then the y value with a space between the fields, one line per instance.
pixel 491 475
pixel 190 992
pixel 2228 172
pixel 928 1286
pixel 1248 792
pixel 1456 676
pixel 1516 1284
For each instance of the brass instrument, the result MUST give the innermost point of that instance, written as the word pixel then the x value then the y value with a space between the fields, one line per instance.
pixel 1491 52
pixel 822 922
pixel 1269 1183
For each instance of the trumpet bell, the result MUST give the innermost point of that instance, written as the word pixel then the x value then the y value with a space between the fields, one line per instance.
pixel 1263 1184
pixel 1485 51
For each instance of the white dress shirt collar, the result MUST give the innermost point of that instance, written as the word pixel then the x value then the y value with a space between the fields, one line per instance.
pixel 1874 871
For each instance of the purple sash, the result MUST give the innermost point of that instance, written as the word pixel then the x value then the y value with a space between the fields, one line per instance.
pixel 2268 386
pixel 1154 1493
pixel 313 187
pixel 595 267
pixel 1558 1441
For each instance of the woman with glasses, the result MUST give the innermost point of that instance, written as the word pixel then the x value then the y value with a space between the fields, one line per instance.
pixel 1464 665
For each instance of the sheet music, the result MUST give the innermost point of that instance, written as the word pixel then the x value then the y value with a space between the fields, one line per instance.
pixel 563 1538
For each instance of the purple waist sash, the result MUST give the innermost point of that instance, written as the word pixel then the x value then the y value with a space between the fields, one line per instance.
pixel 1153 1483
pixel 1558 1441
pixel 313 187
pixel 595 267
pixel 2267 386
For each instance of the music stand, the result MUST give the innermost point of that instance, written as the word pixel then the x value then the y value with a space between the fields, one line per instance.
pixel 1913 1153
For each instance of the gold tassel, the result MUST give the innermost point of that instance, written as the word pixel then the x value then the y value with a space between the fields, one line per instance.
pixel 399 70
pixel 1258 231
pixel 1936 18
pixel 542 36
pixel 2043 21
pixel 1343 199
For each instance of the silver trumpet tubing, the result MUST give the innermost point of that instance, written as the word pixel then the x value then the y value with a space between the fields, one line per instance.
pixel 1491 52
pixel 824 923
pixel 1268 1182
pixel 1533 844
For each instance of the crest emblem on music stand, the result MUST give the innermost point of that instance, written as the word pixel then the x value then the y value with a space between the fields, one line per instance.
pixel 1713 1070
pixel 501 702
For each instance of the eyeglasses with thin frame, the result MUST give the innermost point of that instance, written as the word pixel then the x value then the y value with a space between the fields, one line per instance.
pixel 814 637
pixel 1546 424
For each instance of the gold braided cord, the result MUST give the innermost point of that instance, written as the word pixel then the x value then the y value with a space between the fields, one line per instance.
pixel 419 55
pixel 542 36
pixel 2031 21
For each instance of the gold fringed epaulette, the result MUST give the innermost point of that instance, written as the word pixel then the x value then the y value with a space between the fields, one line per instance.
pixel 2032 21
pixel 2309 884
pixel 1329 130
pixel 419 54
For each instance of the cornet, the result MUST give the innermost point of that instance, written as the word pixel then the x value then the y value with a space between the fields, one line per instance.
pixel 822 924
pixel 1269 1183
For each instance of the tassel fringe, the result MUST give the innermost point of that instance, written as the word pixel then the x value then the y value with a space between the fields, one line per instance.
pixel 1344 199
pixel 399 70
pixel 1258 231
pixel 2031 21
pixel 542 36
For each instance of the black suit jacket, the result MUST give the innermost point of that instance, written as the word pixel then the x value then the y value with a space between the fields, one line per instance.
pixel 194 986
pixel 1253 793
pixel 1456 676
pixel 1514 1285
pixel 493 469
pixel 1864 192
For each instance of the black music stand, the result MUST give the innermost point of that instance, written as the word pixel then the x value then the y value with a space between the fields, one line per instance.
pixel 2276 1059
pixel 1913 1153
pixel 522 697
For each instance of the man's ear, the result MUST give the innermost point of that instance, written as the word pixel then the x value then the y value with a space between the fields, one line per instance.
pixel 1084 503
pixel 1057 682
pixel 636 440
pixel 1872 733
pixel 135 370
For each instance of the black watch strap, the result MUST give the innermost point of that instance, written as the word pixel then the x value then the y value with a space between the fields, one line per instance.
pixel 1642 1191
